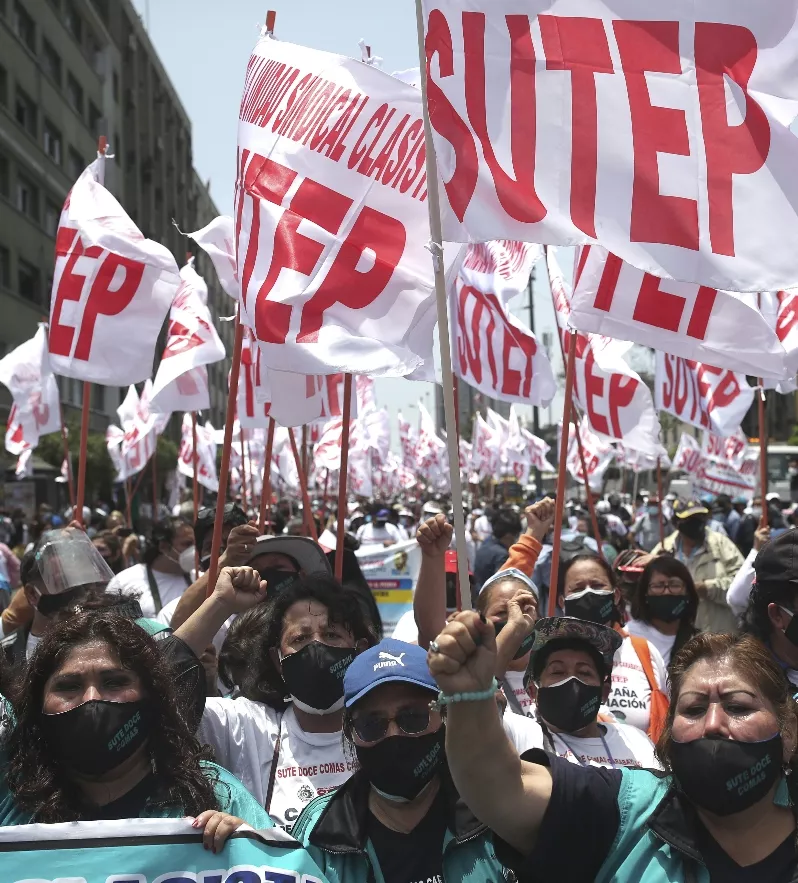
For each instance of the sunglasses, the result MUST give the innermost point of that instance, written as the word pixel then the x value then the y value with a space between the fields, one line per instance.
pixel 373 727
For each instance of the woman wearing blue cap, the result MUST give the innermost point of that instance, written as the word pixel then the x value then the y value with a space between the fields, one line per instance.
pixel 399 818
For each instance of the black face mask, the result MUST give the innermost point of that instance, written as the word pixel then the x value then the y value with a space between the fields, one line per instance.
pixel 49 605
pixel 593 605
pixel 315 676
pixel 668 608
pixel 278 580
pixel 724 776
pixel 400 766
pixel 97 736
pixel 692 529
pixel 569 706
pixel 526 644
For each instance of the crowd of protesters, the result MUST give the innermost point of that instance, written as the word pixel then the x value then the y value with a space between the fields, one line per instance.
pixel 651 721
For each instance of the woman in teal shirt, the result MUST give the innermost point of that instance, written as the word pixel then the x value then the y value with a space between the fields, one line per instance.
pixel 723 811
pixel 98 735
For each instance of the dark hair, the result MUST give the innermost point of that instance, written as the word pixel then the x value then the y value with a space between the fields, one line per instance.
pixel 751 658
pixel 38 783
pixel 670 567
pixel 591 557
pixel 538 661
pixel 755 620
pixel 162 532
pixel 343 608
pixel 505 522
pixel 241 646
pixel 353 581
pixel 29 573
pixel 111 540
pixel 232 516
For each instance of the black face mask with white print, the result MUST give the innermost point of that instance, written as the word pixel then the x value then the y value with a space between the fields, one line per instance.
pixel 315 676
pixel 593 605
pixel 400 767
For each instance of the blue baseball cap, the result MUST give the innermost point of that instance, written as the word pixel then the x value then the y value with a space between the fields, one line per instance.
pixel 389 662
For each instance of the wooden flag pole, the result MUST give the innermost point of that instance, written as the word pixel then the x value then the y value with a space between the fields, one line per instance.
pixel 195 482
pixel 763 454
pixel 155 482
pixel 244 497
pixel 661 501
pixel 342 478
pixel 561 473
pixel 436 245
pixel 266 489
pixel 213 570
pixel 307 515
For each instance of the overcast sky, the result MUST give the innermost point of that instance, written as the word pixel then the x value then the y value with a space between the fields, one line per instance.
pixel 205 45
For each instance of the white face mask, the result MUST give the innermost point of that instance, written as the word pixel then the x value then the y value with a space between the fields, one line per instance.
pixel 186 559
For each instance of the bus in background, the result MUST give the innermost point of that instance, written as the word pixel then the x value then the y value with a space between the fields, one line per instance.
pixel 782 469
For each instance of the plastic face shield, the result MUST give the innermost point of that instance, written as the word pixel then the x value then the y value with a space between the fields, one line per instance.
pixel 68 560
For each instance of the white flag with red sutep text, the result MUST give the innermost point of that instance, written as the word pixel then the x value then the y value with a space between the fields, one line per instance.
pixel 716 327
pixel 731 450
pixel 431 448
pixel 192 343
pixel 616 402
pixel 407 442
pixel 704 396
pixel 331 216
pixel 710 475
pixel 660 130
pixel 297 399
pixel 492 350
pixel 538 450
pixel 598 455
pixel 141 427
pixel 206 454
pixel 254 391
pixel 217 240
pixel 111 291
pixel 486 451
pixel 781 312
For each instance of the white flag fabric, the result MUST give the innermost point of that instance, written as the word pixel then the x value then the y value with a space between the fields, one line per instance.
pixel 331 215
pixel 431 448
pixel 192 343
pixel 141 427
pixel 111 291
pixel 206 451
pixel 539 450
pixel 407 442
pixel 297 399
pixel 36 411
pixel 24 468
pixel 732 450
pixel 638 462
pixel 217 240
pixel 701 395
pixel 781 312
pixel 718 327
pixel 486 451
pixel 254 398
pixel 616 402
pixel 493 351
pixel 662 132
pixel 598 454
pixel 712 476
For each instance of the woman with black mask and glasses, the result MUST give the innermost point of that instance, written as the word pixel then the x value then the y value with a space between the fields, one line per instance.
pixel 664 604
pixel 398 818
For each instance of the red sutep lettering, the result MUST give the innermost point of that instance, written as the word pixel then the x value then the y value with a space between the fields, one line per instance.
pixel 787 316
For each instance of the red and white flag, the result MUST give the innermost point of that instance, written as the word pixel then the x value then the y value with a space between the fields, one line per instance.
pixel 36 410
pixel 781 312
pixel 111 290
pixel 704 396
pixel 331 215
pixel 407 442
pixel 637 462
pixel 24 467
pixel 217 240
pixel 616 402
pixel 181 384
pixel 538 450
pixel 141 427
pixel 717 327
pixel 732 450
pixel 598 456
pixel 298 399
pixel 206 454
pixel 493 351
pixel 431 448
pixel 254 393
pixel 486 451
pixel 712 476
pixel 661 132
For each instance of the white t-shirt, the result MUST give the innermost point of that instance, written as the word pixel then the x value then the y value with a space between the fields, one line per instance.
pixel 663 643
pixel 370 534
pixel 483 528
pixel 31 643
pixel 133 581
pixel 515 680
pixel 630 696
pixel 622 745
pixel 243 735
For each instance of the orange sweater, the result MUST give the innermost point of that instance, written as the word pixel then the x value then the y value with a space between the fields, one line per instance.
pixel 523 555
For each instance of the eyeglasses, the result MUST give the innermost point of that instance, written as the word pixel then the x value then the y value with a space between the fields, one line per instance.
pixel 672 587
pixel 373 727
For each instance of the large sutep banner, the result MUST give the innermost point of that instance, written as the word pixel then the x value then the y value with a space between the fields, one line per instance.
pixel 660 130
pixel 149 851
pixel 331 215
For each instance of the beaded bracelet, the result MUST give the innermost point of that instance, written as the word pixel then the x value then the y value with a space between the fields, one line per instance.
pixel 444 700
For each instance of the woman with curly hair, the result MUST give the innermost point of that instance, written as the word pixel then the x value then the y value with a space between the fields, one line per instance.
pixel 98 735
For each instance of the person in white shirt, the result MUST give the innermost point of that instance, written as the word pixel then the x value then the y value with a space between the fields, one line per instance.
pixel 664 604
pixel 379 531
pixel 288 749
pixel 570 665
pixel 165 572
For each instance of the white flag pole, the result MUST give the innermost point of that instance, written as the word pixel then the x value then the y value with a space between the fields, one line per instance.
pixel 436 245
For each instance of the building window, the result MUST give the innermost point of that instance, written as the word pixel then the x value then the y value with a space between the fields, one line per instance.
pixel 76 164
pixel 52 215
pixel 73 21
pixel 52 142
pixel 3 86
pixel 75 94
pixel 5 268
pixel 97 397
pixel 25 112
pixel 51 62
pixel 29 281
pixel 116 87
pixel 27 198
pixel 5 185
pixel 95 119
pixel 24 26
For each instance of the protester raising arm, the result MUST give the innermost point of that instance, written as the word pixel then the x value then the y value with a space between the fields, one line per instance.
pixel 429 598
pixel 524 554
